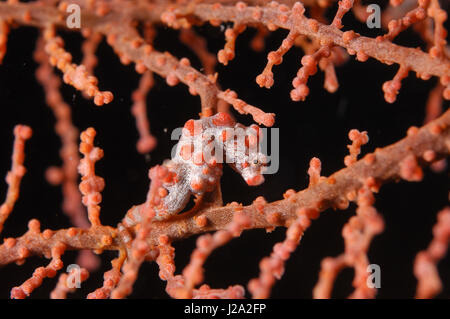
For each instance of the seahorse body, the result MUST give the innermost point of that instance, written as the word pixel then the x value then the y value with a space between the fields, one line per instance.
pixel 196 167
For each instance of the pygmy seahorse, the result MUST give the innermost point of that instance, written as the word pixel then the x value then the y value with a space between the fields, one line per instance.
pixel 196 166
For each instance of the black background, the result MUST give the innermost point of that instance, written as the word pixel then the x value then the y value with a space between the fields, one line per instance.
pixel 317 127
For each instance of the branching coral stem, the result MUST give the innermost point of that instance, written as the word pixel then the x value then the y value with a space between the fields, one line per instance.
pixel 384 51
pixel 14 177
pixel 123 37
pixel 381 166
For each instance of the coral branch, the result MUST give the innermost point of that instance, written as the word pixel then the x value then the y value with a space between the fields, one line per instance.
pixel 271 16
pixel 40 273
pixel 75 75
pixel 14 176
pixel 176 286
pixel 425 266
pixel 4 30
pixel 193 272
pixel 440 33
pixel 344 7
pixel 434 104
pixel 358 139
pixel 41 244
pixel 384 51
pixel 381 166
pixel 91 185
pixel 199 46
pixel 147 142
pixel 315 166
pixel 67 283
pixel 413 16
pixel 67 175
pixel 227 53
pixel 174 70
pixel 274 58
pixel 111 279
pixel 260 117
pixel 309 62
pixel 391 88
pixel 273 267
pixel 140 249
pixel 358 234
pixel 88 48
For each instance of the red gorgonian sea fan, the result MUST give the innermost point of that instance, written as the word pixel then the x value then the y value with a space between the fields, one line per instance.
pixel 154 206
